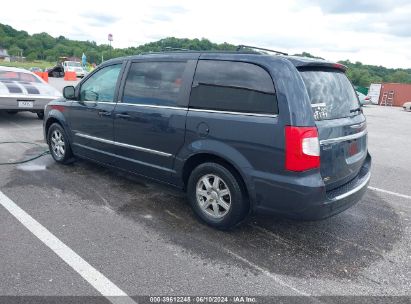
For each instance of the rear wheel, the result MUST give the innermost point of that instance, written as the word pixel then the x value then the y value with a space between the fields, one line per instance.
pixel 58 144
pixel 216 196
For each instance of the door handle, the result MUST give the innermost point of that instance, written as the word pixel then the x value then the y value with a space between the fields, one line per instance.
pixel 104 113
pixel 124 116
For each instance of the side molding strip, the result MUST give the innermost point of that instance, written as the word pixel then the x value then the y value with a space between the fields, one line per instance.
pixel 119 144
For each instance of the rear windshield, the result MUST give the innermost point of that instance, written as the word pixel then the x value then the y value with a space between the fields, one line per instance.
pixel 17 76
pixel 331 93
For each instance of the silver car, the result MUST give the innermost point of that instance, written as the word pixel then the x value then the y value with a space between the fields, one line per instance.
pixel 22 90
pixel 364 100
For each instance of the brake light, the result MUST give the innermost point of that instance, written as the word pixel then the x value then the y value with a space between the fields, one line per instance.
pixel 339 66
pixel 302 148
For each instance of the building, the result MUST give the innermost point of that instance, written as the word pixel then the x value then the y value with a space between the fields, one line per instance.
pixel 4 55
pixel 394 94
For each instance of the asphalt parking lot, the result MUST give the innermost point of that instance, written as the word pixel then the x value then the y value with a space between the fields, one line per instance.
pixel 144 239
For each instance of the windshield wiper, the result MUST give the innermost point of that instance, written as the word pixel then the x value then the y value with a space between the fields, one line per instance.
pixel 355 110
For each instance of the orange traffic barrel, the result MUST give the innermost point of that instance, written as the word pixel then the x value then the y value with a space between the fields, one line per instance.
pixel 40 74
pixel 70 76
pixel 45 76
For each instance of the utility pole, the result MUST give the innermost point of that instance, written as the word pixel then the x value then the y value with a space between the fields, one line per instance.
pixel 110 39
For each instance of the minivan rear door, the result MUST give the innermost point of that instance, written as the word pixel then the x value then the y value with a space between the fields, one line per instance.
pixel 341 124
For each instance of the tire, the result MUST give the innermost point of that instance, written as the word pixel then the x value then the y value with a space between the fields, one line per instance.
pixel 58 143
pixel 215 205
pixel 40 115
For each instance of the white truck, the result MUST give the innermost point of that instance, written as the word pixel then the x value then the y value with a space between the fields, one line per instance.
pixel 74 66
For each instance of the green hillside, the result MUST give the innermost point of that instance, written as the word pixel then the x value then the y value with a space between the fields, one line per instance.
pixel 47 48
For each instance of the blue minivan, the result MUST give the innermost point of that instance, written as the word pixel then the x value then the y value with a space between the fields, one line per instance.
pixel 241 132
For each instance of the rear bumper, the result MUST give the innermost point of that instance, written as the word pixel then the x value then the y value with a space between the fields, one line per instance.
pixel 307 199
pixel 80 74
pixel 11 103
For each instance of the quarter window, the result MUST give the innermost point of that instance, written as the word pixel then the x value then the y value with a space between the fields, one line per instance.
pixel 233 86
pixel 154 83
pixel 101 86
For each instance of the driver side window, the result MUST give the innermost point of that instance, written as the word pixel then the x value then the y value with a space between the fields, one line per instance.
pixel 101 86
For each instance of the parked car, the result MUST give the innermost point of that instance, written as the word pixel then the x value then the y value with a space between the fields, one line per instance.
pixel 56 71
pixel 364 99
pixel 22 90
pixel 74 66
pixel 407 106
pixel 241 133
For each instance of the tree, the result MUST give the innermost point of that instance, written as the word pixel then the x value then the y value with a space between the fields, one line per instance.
pixel 14 51
pixel 43 46
pixel 305 54
pixel 400 76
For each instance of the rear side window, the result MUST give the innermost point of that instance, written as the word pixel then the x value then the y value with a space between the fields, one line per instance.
pixel 154 83
pixel 331 93
pixel 233 86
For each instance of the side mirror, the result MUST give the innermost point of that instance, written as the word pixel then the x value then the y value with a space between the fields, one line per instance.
pixel 69 92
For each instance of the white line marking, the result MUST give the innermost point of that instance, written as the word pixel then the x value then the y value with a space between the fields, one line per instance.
pixel 390 192
pixel 96 279
pixel 173 214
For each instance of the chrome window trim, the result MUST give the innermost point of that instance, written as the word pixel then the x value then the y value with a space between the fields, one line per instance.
pixel 119 144
pixel 197 110
pixel 152 106
pixel 233 113
pixel 343 138
pixel 352 191
pixel 95 102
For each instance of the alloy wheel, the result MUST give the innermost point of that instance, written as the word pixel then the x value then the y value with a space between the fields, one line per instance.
pixel 213 196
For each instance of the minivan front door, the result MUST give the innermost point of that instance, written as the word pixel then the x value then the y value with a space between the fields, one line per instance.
pixel 149 122
pixel 91 117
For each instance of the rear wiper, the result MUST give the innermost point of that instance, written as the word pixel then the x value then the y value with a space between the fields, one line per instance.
pixel 355 110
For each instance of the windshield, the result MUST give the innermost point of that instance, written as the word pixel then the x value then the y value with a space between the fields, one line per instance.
pixel 73 64
pixel 331 93
pixel 17 76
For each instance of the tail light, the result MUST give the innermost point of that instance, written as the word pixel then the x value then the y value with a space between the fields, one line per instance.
pixel 302 148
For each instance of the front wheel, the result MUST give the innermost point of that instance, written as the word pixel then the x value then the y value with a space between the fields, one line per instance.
pixel 217 196
pixel 58 144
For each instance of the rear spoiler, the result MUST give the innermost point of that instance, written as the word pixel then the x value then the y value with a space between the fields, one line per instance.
pixel 319 64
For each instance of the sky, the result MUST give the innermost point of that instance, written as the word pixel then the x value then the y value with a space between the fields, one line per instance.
pixel 374 32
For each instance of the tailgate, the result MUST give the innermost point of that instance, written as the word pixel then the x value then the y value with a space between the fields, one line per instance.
pixel 341 125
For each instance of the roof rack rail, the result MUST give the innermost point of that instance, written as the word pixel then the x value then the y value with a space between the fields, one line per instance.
pixel 170 49
pixel 241 46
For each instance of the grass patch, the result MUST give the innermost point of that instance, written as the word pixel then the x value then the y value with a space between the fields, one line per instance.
pixel 28 64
